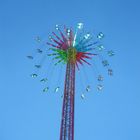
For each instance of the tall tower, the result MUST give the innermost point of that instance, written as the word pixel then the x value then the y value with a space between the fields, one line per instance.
pixel 73 48
pixel 67 122
pixel 72 51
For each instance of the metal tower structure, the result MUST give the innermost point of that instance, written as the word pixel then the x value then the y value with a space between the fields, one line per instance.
pixel 72 48
pixel 67 122
pixel 71 51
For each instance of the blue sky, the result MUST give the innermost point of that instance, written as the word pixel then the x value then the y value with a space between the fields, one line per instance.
pixel 26 113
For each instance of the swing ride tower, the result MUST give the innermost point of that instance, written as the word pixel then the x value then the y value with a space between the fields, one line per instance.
pixel 73 48
pixel 71 52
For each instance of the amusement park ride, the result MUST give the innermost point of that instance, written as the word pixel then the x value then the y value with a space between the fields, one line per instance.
pixel 72 49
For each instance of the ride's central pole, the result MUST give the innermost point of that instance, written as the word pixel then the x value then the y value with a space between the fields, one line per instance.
pixel 67 122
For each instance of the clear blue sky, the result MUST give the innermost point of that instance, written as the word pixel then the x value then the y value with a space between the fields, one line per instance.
pixel 26 114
